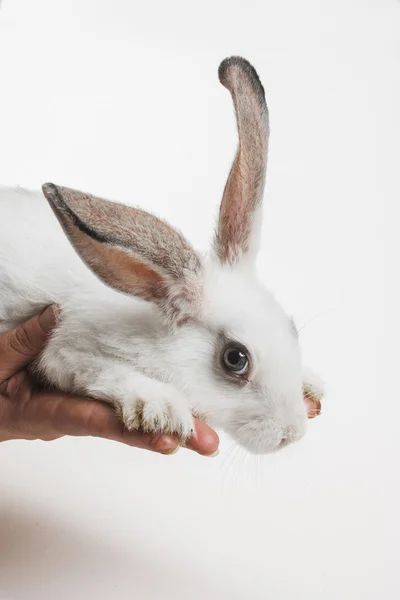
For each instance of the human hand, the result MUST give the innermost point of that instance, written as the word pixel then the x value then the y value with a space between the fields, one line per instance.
pixel 30 414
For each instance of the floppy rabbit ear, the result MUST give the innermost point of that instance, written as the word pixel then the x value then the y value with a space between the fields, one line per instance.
pixel 127 248
pixel 240 212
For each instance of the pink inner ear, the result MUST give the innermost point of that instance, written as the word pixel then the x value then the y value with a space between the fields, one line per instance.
pixel 313 407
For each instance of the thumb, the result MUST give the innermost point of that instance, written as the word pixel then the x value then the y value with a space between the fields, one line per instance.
pixel 21 345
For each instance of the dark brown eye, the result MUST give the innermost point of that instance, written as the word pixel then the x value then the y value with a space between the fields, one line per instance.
pixel 235 359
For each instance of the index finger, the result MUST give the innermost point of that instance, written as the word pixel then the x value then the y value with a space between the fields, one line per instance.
pixel 75 416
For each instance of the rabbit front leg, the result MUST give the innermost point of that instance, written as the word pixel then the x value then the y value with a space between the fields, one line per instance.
pixel 142 402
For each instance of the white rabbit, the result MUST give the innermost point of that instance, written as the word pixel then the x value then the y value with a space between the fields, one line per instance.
pixel 146 323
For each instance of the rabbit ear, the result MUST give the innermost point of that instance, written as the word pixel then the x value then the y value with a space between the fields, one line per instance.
pixel 240 214
pixel 127 248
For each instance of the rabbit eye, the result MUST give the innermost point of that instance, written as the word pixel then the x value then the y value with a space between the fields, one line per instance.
pixel 235 359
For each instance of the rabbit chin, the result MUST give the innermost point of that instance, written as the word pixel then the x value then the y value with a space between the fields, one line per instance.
pixel 265 435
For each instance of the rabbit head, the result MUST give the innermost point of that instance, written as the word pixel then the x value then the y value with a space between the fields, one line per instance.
pixel 239 348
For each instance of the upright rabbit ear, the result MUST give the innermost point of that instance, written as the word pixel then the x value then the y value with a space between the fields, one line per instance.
pixel 240 214
pixel 129 249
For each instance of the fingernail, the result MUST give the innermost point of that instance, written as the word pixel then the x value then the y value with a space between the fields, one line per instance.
pixel 216 453
pixel 314 410
pixel 47 319
pixel 174 451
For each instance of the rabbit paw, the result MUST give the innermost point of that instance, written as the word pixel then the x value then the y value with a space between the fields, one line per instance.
pixel 158 408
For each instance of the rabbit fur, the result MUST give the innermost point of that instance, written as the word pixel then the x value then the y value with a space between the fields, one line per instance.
pixel 149 325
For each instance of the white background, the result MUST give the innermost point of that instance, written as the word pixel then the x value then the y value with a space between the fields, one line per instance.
pixel 122 99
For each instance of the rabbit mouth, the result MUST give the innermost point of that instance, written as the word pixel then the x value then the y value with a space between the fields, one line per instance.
pixel 259 438
pixel 266 435
pixel 283 443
